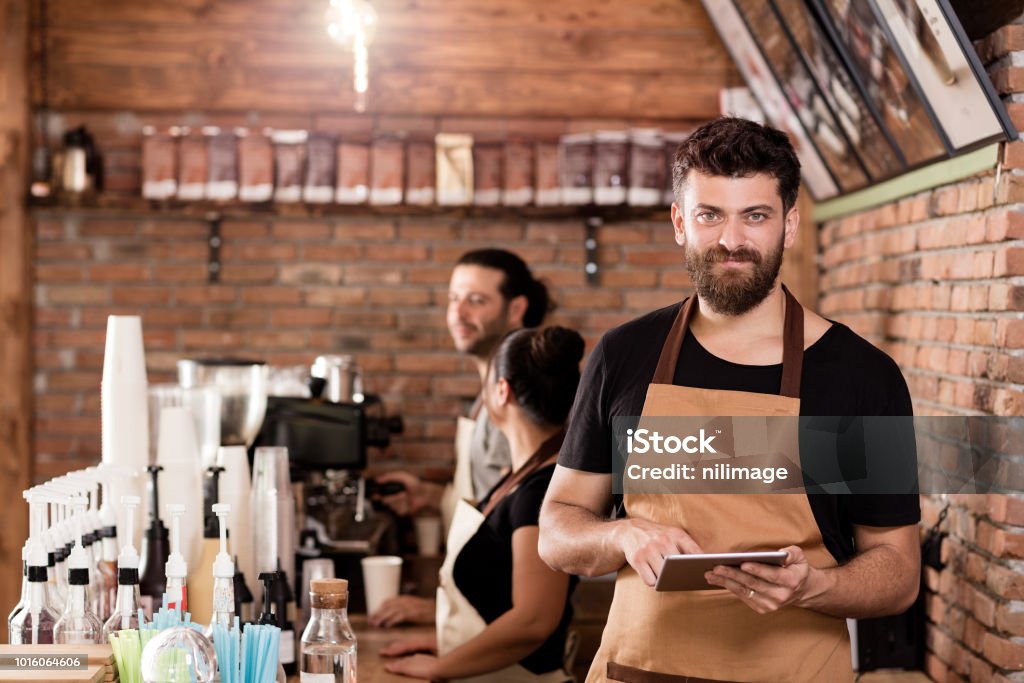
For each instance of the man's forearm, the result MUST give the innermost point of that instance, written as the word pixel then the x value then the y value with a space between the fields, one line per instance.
pixel 576 541
pixel 879 582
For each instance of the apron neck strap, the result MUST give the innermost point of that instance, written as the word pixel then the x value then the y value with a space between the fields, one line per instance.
pixel 550 446
pixel 478 404
pixel 792 345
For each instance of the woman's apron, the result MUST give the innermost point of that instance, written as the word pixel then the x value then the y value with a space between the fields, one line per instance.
pixel 712 635
pixel 457 619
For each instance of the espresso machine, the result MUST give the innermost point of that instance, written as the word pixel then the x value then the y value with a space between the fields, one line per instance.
pixel 329 437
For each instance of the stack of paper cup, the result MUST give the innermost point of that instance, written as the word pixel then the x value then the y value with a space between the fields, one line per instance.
pixel 203 402
pixel 272 507
pixel 235 490
pixel 181 481
pixel 123 414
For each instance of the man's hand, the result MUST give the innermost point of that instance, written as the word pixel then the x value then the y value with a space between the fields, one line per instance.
pixel 646 544
pixel 418 494
pixel 409 646
pixel 404 609
pixel 766 588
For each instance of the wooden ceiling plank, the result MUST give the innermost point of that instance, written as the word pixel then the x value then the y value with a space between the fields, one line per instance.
pixel 409 14
pixel 584 50
pixel 462 93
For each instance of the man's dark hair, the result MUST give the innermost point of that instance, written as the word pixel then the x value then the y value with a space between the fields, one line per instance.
pixel 738 148
pixel 518 281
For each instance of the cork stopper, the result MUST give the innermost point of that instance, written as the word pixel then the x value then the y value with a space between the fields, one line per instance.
pixel 329 586
pixel 328 593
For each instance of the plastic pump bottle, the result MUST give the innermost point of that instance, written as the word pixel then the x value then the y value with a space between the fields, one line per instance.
pixel 106 567
pixel 176 568
pixel 78 625
pixel 202 585
pixel 127 604
pixel 269 618
pixel 243 596
pixel 223 575
pixel 155 551
pixel 33 625
pixel 24 593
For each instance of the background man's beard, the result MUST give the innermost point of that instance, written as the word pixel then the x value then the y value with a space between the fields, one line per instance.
pixel 733 293
pixel 484 346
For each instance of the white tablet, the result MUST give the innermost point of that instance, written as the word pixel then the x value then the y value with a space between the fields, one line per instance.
pixel 686 572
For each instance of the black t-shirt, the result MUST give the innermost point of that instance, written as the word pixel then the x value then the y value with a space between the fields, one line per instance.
pixel 483 570
pixel 843 375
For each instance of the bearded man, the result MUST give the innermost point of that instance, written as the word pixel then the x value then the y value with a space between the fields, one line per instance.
pixel 718 353
pixel 491 293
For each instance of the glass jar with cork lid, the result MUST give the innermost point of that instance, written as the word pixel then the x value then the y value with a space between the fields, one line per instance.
pixel 328 650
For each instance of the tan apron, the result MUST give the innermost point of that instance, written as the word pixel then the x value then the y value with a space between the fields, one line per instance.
pixel 712 635
pixel 457 619
pixel 461 487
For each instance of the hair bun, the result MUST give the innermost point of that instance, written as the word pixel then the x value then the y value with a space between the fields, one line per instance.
pixel 555 348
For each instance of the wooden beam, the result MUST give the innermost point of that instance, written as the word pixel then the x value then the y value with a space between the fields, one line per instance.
pixel 539 49
pixel 649 95
pixel 393 14
pixel 15 294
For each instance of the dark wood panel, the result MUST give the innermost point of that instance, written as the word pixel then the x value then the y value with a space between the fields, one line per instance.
pixel 408 14
pixel 15 295
pixel 434 92
pixel 682 51
pixel 577 58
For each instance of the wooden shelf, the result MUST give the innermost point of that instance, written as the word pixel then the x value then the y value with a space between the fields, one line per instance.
pixel 208 210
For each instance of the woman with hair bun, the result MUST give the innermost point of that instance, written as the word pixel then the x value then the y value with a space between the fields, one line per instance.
pixel 502 613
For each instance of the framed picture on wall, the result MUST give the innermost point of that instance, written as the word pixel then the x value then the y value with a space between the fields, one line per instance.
pixel 880 72
pixel 802 91
pixel 780 113
pixel 951 77
pixel 859 118
pixel 867 89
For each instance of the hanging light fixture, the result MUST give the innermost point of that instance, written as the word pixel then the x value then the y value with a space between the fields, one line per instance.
pixel 352 24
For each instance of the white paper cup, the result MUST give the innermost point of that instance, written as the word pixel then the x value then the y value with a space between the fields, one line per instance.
pixel 124 358
pixel 428 535
pixel 381 577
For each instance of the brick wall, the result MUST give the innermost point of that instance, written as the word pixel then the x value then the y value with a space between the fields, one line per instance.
pixel 937 280
pixel 373 285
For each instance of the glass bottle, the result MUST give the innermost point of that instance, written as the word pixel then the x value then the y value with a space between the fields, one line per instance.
pixel 53 594
pixel 21 601
pixel 33 625
pixel 106 573
pixel 126 605
pixel 128 600
pixel 328 649
pixel 78 625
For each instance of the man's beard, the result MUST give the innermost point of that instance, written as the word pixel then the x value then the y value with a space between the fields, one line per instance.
pixel 485 345
pixel 491 333
pixel 733 293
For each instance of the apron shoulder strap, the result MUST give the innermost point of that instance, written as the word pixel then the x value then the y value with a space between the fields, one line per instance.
pixel 792 345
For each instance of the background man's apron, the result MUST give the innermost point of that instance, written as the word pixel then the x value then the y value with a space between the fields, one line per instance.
pixel 713 635
pixel 461 487
pixel 457 619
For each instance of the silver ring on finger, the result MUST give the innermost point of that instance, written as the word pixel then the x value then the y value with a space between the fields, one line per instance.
pixel 751 594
